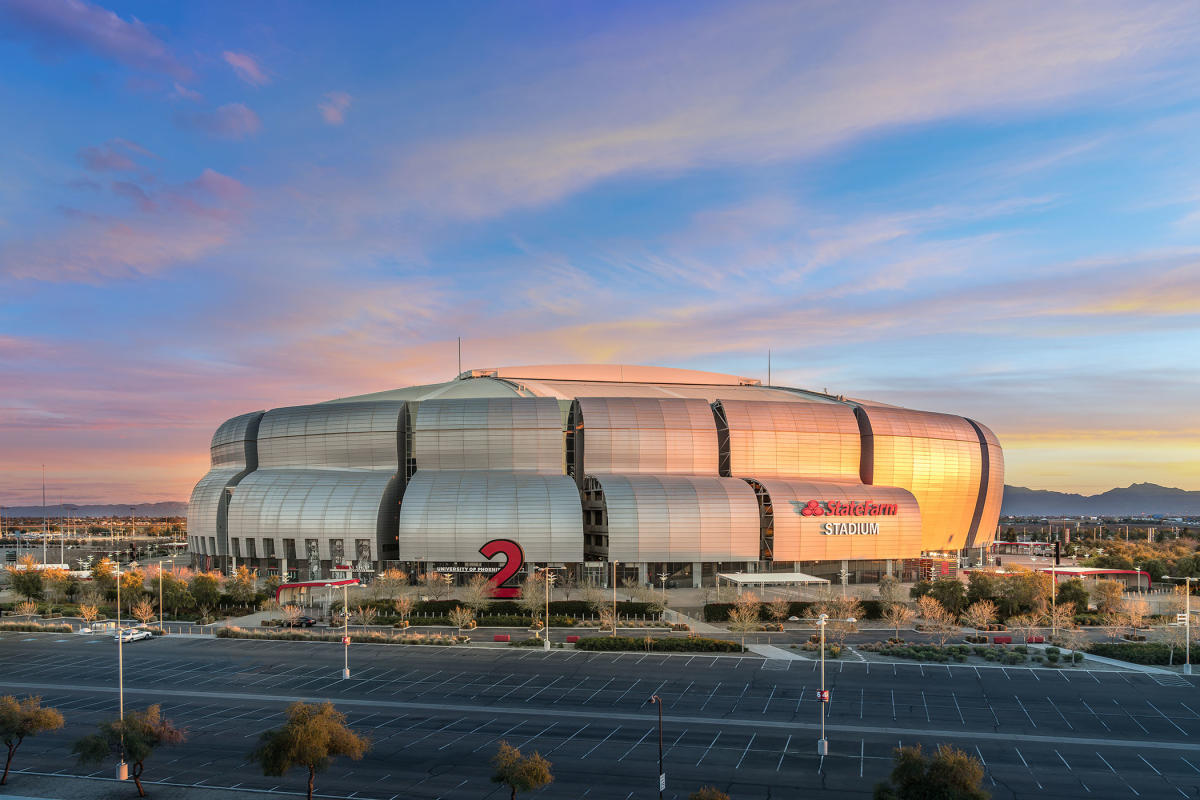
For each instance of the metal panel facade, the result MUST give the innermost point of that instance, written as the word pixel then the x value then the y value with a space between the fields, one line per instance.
pixel 204 509
pixel 801 536
pixel 663 436
pixel 773 439
pixel 936 457
pixel 327 506
pixel 340 436
pixel 995 490
pixel 449 515
pixel 489 433
pixel 490 468
pixel 680 518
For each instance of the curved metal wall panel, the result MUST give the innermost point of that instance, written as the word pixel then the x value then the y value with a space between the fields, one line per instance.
pixel 803 537
pixel 489 433
pixel 233 442
pixel 339 436
pixel 664 436
pixel 936 457
pixel 302 504
pixel 680 518
pixel 204 508
pixel 995 490
pixel 772 439
pixel 448 515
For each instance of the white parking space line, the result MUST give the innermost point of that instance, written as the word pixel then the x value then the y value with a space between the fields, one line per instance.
pixel 1190 764
pixel 497 738
pixel 535 737
pixel 602 741
pixel 627 691
pixel 672 747
pixel 1022 705
pixel 1055 707
pixel 710 695
pixel 1094 714
pixel 747 750
pixel 772 695
pixel 572 736
pixel 544 688
pixel 1168 719
pixel 958 708
pixel 1131 716
pixel 1148 764
pixel 925 703
pixel 598 691
pixel 633 746
pixel 710 746
pixel 1023 761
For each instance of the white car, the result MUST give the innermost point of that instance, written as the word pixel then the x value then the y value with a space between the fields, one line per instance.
pixel 132 635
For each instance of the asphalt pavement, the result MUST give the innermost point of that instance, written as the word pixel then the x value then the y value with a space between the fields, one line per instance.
pixel 745 724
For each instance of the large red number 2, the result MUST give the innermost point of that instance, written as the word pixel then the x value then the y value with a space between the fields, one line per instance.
pixel 514 559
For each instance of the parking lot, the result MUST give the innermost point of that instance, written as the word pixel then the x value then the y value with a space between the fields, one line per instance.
pixel 747 725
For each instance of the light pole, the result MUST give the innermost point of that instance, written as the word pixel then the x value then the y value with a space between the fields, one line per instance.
pixel 1053 602
pixel 823 695
pixel 845 576
pixel 662 776
pixel 122 767
pixel 1138 567
pixel 549 578
pixel 346 631
pixel 615 562
pixel 1187 622
pixel 662 578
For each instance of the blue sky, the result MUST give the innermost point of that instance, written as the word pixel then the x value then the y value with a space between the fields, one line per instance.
pixel 988 209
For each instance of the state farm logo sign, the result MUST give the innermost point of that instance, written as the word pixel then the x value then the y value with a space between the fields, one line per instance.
pixel 837 508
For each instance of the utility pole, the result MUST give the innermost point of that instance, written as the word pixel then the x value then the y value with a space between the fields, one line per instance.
pixel 662 776
pixel 122 767
pixel 45 526
pixel 615 562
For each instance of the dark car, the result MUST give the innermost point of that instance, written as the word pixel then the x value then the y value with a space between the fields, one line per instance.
pixel 300 622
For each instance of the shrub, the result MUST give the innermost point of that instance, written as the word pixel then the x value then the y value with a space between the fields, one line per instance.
pixel 531 642
pixel 357 637
pixel 34 627
pixel 670 645
pixel 1141 652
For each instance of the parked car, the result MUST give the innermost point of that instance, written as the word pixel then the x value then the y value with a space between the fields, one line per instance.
pixel 133 635
pixel 300 622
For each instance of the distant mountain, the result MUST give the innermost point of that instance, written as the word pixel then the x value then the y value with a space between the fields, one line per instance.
pixel 141 510
pixel 1140 499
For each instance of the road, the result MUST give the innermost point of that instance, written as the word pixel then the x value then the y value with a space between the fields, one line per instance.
pixel 746 725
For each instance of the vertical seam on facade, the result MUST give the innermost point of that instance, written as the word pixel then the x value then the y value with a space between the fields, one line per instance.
pixel 985 476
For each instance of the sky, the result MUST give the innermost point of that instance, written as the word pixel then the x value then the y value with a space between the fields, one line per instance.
pixel 989 209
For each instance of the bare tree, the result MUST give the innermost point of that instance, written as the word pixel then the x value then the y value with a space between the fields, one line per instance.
pixel 477 594
pixel 1135 611
pixel 533 595
pixel 435 585
pixel 1025 624
pixel 936 619
pixel 144 611
pixel 460 617
pixel 1112 623
pixel 404 607
pixel 27 609
pixel 779 609
pixel 897 616
pixel 631 586
pixel 608 619
pixel 743 619
pixel 980 614
pixel 592 594
pixel 88 613
pixel 365 615
pixel 890 591
pixel 291 614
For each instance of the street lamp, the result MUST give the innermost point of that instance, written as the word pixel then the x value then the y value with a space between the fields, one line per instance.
pixel 614 582
pixel 122 767
pixel 550 577
pixel 662 776
pixel 822 694
pixel 662 578
pixel 1187 621
pixel 1138 567
pixel 845 576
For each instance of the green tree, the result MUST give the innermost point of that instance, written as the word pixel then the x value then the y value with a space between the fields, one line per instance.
pixel 312 737
pixel 104 576
pixel 135 738
pixel 919 589
pixel 1073 591
pixel 205 588
pixel 21 718
pixel 950 593
pixel 950 774
pixel 983 586
pixel 175 593
pixel 241 586
pixel 520 773
pixel 25 578
pixel 132 587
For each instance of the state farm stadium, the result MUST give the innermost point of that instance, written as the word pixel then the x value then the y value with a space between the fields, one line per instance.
pixel 644 473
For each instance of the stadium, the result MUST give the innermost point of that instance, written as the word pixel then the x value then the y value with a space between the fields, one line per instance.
pixel 645 473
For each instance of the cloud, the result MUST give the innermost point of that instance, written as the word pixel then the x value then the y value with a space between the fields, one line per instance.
pixel 74 24
pixel 333 109
pixel 779 82
pixel 115 155
pixel 246 68
pixel 182 92
pixel 174 226
pixel 230 121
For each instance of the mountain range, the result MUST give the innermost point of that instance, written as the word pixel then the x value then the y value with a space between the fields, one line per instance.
pixel 1140 499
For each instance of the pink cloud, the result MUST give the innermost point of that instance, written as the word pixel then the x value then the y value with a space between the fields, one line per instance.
pixel 333 109
pixel 184 93
pixel 246 68
pixel 115 155
pixel 230 121
pixel 67 24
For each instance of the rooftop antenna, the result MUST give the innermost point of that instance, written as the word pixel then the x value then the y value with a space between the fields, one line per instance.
pixel 459 356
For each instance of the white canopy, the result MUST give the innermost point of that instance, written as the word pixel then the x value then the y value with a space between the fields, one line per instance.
pixel 765 579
